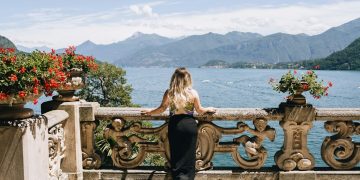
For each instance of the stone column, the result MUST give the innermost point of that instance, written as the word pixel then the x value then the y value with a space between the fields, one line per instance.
pixel 24 149
pixel 296 124
pixel 90 160
pixel 72 162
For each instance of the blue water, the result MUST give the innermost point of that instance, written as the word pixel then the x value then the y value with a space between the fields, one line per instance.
pixel 241 88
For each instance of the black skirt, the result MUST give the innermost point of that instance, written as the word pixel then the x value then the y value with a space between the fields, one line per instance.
pixel 182 135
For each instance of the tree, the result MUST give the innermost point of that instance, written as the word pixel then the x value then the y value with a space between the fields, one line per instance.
pixel 108 87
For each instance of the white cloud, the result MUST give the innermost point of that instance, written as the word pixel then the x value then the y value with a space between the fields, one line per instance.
pixel 143 10
pixel 60 28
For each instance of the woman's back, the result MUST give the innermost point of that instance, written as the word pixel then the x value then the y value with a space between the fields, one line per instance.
pixel 187 107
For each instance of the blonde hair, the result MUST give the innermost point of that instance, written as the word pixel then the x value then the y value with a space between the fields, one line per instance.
pixel 179 85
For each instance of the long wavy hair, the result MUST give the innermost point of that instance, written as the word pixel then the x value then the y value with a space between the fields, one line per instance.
pixel 180 84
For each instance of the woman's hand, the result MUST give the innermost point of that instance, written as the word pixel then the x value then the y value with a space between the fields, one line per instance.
pixel 210 110
pixel 145 112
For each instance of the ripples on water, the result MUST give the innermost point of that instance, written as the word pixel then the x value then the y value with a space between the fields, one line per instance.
pixel 241 88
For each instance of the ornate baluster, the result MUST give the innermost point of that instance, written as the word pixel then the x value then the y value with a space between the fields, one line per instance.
pixel 209 142
pixel 208 138
pixel 256 153
pixel 296 124
pixel 122 151
pixel 338 151
pixel 56 152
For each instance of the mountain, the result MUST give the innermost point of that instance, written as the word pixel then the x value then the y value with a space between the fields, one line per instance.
pixel 272 48
pixel 114 51
pixel 282 47
pixel 245 47
pixel 172 54
pixel 346 59
pixel 6 43
pixel 29 50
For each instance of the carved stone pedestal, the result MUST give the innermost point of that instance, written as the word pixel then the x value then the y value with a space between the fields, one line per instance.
pixel 24 149
pixel 296 124
pixel 90 160
pixel 72 162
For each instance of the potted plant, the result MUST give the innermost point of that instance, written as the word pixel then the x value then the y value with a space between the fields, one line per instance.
pixel 23 79
pixel 295 84
pixel 75 66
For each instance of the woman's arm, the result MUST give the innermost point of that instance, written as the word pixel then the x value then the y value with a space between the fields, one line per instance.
pixel 199 109
pixel 163 106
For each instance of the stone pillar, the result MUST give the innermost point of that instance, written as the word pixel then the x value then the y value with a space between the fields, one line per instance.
pixel 72 162
pixel 90 160
pixel 296 124
pixel 24 149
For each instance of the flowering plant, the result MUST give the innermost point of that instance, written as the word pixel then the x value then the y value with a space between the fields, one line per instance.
pixel 77 62
pixel 292 83
pixel 75 66
pixel 24 77
pixel 50 67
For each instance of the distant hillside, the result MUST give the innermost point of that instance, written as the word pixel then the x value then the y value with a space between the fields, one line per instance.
pixel 216 64
pixel 6 43
pixel 347 59
pixel 245 47
pixel 115 51
pixel 29 50
pixel 172 54
pixel 282 47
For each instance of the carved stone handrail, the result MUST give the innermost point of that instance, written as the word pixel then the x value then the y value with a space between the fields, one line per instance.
pixel 321 114
pixel 338 151
pixel 55 117
pixel 232 114
pixel 337 114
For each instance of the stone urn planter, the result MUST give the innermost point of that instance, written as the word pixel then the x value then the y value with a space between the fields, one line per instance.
pixel 298 98
pixel 13 108
pixel 76 81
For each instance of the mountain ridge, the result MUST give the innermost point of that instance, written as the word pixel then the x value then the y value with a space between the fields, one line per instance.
pixel 142 49
pixel 6 43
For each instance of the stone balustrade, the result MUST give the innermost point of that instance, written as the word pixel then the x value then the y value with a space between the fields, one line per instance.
pixel 66 134
pixel 338 151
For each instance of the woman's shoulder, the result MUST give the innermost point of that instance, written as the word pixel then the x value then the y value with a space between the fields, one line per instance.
pixel 193 92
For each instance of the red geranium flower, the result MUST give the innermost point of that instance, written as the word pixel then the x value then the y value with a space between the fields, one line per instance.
pixel 35 101
pixel 330 84
pixel 22 70
pixel 22 94
pixel 13 77
pixel 3 96
pixel 36 90
pixel 305 87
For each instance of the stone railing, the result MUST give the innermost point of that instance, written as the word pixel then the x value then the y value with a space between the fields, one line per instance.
pixel 338 151
pixel 65 131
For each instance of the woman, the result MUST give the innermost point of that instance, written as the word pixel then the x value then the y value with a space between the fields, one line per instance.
pixel 182 128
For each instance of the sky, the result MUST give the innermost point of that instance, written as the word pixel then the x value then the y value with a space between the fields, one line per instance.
pixel 58 24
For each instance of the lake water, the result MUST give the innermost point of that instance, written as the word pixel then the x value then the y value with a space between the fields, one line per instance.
pixel 245 88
